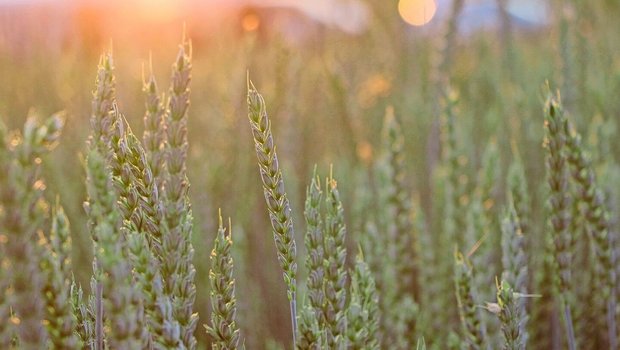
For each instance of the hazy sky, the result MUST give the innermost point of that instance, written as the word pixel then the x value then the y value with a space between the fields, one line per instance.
pixel 531 10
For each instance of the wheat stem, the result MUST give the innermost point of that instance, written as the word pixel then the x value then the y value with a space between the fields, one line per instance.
pixel 275 196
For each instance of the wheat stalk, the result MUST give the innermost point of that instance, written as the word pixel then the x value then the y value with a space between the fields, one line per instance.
pixel 335 271
pixel 514 260
pixel 400 245
pixel 560 204
pixel 178 269
pixel 313 318
pixel 363 311
pixel 154 137
pixel 518 188
pixel 138 195
pixel 596 220
pixel 143 221
pixel 25 210
pixel 507 309
pixel 112 269
pixel 309 337
pixel 61 322
pixel 85 318
pixel 103 98
pixel 163 328
pixel 275 196
pixel 223 329
pixel 454 213
pixel 6 328
pixel 112 272
pixel 465 296
pixel 399 204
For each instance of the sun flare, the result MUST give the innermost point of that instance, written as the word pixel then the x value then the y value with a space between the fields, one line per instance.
pixel 158 10
pixel 417 12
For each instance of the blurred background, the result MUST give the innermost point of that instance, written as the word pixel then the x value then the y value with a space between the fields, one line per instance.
pixel 328 69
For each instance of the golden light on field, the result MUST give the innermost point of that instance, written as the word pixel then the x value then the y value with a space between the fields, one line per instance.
pixel 158 10
pixel 417 12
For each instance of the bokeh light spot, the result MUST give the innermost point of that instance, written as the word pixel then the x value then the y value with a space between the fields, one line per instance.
pixel 417 12
pixel 250 22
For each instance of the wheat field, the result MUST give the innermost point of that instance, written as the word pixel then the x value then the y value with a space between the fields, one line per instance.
pixel 279 181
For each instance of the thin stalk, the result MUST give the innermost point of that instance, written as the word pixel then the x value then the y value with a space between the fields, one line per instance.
pixel 99 315
pixel 569 326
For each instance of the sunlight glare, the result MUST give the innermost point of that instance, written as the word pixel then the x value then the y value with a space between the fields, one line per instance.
pixel 250 22
pixel 417 12
pixel 158 10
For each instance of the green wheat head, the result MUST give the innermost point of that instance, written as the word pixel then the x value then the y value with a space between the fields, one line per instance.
pixel 275 195
pixel 223 328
